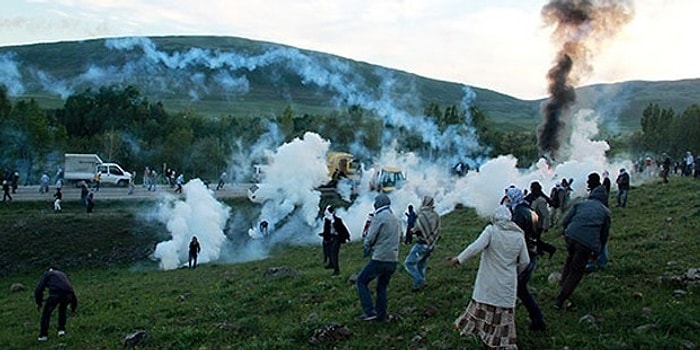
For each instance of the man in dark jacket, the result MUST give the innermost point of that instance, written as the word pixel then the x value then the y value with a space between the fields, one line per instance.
pixel 623 186
pixel 523 217
pixel 586 230
pixel 61 294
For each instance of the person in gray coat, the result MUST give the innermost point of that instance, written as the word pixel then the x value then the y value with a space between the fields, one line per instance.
pixel 586 230
pixel 382 245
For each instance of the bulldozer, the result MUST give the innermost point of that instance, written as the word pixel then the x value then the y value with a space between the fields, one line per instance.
pixel 387 179
pixel 342 165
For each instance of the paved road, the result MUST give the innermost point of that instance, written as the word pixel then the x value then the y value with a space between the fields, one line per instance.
pixel 31 193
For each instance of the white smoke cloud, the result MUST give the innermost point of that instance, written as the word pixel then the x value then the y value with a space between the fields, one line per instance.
pixel 10 75
pixel 292 175
pixel 200 215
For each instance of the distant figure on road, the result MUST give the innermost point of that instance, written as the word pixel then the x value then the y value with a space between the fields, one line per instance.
pixel 180 180
pixel 44 185
pixel 222 181
pixel 59 174
pixel 61 294
pixel 15 181
pixel 84 190
pixel 195 248
pixel 6 190
pixel 132 185
pixel 98 177
pixel 146 175
pixel 90 202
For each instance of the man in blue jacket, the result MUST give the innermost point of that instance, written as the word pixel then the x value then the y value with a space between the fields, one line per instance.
pixel 586 231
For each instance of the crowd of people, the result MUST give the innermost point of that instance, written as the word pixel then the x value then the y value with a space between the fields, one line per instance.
pixel 509 247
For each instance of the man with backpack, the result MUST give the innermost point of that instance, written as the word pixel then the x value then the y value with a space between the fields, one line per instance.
pixel 559 198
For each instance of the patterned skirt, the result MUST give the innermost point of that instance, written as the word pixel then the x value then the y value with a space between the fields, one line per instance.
pixel 494 325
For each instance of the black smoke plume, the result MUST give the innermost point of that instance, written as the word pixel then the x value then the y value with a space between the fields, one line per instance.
pixel 580 27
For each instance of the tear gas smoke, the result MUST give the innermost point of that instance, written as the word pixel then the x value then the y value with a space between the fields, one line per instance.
pixel 292 175
pixel 580 27
pixel 10 75
pixel 201 215
pixel 200 73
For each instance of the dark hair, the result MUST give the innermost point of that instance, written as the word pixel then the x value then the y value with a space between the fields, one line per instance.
pixel 593 180
pixel 536 188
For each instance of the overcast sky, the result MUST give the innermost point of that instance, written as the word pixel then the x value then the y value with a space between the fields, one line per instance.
pixel 501 45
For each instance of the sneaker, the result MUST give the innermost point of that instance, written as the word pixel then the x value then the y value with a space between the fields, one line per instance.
pixel 364 317
pixel 61 333
pixel 44 338
pixel 567 305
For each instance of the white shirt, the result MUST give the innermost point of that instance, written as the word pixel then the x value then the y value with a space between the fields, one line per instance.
pixel 503 255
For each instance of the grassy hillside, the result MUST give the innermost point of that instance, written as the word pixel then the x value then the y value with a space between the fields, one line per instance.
pixel 228 75
pixel 641 301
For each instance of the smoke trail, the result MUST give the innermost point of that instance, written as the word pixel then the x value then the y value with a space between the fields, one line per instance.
pixel 201 215
pixel 219 73
pixel 580 28
pixel 10 75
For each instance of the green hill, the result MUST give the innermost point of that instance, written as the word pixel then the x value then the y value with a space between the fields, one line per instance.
pixel 227 75
pixel 646 298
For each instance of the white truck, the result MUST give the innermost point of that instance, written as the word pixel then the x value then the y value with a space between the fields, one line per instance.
pixel 84 167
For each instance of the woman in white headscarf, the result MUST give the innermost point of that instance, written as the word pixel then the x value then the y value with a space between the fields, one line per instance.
pixel 490 314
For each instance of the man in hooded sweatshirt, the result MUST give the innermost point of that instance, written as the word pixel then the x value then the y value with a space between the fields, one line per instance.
pixel 427 231
pixel 586 230
pixel 382 244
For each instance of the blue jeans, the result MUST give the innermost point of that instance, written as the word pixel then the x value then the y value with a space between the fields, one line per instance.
pixel 622 198
pixel 526 298
pixel 416 262
pixel 382 271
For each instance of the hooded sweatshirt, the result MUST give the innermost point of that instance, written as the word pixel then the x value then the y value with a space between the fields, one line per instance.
pixel 384 233
pixel 588 222
pixel 428 223
pixel 503 255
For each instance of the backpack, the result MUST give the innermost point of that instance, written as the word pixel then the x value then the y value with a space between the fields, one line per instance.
pixel 554 197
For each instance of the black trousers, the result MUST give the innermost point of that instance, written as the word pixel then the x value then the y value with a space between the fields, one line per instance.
pixel 60 300
pixel 334 250
pixel 574 268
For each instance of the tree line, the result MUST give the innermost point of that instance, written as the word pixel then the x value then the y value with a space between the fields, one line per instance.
pixel 121 125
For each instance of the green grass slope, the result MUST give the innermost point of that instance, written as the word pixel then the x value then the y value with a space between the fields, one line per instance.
pixel 274 84
pixel 641 301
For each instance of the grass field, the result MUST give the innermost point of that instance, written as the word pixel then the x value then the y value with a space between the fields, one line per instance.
pixel 643 300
